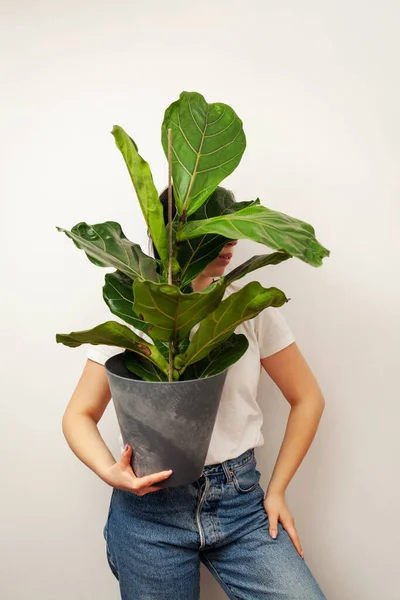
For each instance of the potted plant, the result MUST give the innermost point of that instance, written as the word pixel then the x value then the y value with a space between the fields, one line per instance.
pixel 166 393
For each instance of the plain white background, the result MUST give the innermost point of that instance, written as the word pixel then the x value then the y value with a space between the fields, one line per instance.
pixel 317 87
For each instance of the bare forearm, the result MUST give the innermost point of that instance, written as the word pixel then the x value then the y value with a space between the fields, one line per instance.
pixel 301 428
pixel 86 443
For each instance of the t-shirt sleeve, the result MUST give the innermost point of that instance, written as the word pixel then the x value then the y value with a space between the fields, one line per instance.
pixel 272 331
pixel 100 353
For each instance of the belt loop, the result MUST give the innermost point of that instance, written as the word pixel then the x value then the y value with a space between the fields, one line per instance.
pixel 227 471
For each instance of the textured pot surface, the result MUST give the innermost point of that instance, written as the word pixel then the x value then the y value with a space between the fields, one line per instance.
pixel 168 424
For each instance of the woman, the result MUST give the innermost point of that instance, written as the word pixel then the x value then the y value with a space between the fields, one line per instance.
pixel 155 537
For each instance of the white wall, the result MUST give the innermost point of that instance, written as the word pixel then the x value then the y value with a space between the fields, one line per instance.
pixel 317 86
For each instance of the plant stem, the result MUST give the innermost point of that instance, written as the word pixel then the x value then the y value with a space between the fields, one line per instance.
pixel 170 206
pixel 171 344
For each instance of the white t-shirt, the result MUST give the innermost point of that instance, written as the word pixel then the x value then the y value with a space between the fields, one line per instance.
pixel 239 419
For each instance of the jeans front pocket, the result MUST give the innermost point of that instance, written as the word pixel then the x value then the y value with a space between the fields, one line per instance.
pixel 246 477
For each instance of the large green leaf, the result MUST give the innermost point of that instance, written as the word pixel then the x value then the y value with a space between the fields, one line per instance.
pixel 256 262
pixel 112 333
pixel 258 223
pixel 171 313
pixel 105 245
pixel 146 191
pixel 207 144
pixel 118 295
pixel 195 254
pixel 142 367
pixel 220 324
pixel 219 359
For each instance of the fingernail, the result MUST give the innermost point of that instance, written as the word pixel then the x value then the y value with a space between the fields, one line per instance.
pixel 273 533
pixel 126 447
pixel 302 555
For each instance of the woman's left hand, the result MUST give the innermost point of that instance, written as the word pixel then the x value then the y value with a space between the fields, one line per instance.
pixel 277 510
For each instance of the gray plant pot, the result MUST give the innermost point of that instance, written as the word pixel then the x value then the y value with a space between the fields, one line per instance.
pixel 168 424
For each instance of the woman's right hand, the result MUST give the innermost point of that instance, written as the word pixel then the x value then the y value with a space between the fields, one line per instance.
pixel 121 476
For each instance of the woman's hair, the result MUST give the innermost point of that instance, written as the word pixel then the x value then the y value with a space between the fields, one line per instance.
pixel 164 201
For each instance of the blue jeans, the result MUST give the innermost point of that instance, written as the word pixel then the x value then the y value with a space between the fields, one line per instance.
pixel 154 543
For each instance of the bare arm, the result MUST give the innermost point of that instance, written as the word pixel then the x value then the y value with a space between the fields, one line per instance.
pixel 291 373
pixel 84 411
pixel 79 425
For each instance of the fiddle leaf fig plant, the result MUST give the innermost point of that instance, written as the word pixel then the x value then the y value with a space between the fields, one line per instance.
pixel 203 143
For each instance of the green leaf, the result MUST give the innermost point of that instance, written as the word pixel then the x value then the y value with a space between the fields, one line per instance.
pixel 118 295
pixel 256 262
pixel 105 245
pixel 218 359
pixel 207 144
pixel 112 333
pixel 171 313
pixel 195 254
pixel 143 368
pixel 163 347
pixel 221 202
pixel 260 224
pixel 220 324
pixel 146 191
pixel 183 344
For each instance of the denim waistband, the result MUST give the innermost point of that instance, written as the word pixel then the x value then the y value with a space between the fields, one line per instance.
pixel 231 463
